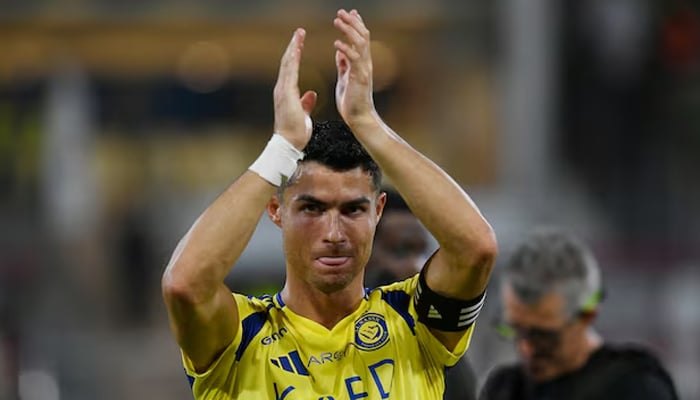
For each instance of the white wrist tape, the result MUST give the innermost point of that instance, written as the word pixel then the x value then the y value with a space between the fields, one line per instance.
pixel 278 161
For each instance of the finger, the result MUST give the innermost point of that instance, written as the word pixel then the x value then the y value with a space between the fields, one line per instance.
pixel 352 35
pixel 349 52
pixel 341 62
pixel 357 15
pixel 289 66
pixel 308 101
pixel 354 19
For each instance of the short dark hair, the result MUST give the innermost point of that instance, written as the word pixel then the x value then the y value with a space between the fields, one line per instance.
pixel 333 145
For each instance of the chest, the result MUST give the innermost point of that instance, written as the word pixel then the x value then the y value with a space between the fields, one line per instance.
pixel 372 355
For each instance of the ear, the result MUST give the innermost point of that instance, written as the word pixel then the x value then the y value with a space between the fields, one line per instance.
pixel 274 210
pixel 381 202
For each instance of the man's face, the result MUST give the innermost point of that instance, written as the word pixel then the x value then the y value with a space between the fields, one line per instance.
pixel 546 339
pixel 401 244
pixel 328 219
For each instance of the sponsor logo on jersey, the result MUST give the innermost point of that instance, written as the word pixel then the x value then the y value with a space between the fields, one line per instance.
pixel 267 340
pixel 371 332
pixel 326 356
pixel 290 363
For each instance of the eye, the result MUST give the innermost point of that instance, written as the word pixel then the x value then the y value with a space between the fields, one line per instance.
pixel 354 210
pixel 310 208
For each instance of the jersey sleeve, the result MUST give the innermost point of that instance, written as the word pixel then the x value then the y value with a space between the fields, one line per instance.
pixel 251 312
pixel 431 347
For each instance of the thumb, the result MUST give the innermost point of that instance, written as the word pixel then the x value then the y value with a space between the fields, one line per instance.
pixel 341 63
pixel 308 101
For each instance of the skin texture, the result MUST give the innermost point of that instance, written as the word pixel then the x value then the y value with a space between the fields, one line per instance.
pixel 570 352
pixel 328 219
pixel 203 314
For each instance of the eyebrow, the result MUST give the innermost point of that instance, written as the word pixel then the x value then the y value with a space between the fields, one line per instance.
pixel 311 199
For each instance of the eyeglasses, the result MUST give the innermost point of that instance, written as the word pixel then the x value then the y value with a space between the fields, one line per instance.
pixel 543 340
pixel 540 338
pixel 546 338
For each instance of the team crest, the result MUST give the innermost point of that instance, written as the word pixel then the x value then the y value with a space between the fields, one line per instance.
pixel 371 332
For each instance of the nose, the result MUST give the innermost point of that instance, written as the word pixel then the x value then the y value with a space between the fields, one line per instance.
pixel 334 228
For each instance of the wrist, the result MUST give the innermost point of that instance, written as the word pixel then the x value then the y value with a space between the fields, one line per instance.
pixel 366 121
pixel 297 142
pixel 278 160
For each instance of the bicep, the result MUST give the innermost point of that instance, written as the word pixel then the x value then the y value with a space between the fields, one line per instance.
pixel 457 276
pixel 205 329
pixel 451 278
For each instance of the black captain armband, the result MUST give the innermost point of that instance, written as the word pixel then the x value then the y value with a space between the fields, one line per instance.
pixel 442 313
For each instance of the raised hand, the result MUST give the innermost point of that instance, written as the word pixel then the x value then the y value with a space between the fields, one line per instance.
pixel 353 60
pixel 292 112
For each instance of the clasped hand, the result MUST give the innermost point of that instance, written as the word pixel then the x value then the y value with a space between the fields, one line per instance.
pixel 353 92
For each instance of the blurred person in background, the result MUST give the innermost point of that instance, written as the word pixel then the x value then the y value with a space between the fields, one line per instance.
pixel 324 336
pixel 550 292
pixel 401 247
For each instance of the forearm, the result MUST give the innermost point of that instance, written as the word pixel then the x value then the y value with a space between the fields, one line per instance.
pixel 443 207
pixel 216 240
pixel 434 197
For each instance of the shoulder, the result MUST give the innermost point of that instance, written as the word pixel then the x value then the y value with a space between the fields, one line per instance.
pixel 632 356
pixel 640 374
pixel 397 295
pixel 407 285
pixel 254 307
pixel 263 302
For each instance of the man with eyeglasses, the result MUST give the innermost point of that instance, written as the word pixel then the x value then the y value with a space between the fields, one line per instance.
pixel 401 248
pixel 550 291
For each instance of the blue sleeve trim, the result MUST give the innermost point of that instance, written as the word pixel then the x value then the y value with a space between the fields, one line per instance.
pixel 190 379
pixel 251 325
pixel 400 301
pixel 278 296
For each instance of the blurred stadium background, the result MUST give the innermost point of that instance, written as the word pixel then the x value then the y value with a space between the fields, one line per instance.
pixel 120 121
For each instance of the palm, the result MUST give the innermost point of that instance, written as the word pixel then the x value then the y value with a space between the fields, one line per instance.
pixel 354 64
pixel 292 119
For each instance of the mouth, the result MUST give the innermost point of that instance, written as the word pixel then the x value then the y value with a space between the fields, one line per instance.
pixel 333 261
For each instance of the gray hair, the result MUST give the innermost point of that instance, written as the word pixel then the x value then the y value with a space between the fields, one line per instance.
pixel 550 260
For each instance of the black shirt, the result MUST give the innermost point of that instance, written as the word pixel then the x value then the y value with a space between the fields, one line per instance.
pixel 614 373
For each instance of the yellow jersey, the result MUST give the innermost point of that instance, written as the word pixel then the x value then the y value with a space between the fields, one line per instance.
pixel 380 351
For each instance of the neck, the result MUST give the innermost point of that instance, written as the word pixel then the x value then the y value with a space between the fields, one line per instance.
pixel 327 309
pixel 590 343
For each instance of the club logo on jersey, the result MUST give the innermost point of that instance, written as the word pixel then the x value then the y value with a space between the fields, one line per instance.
pixel 371 332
